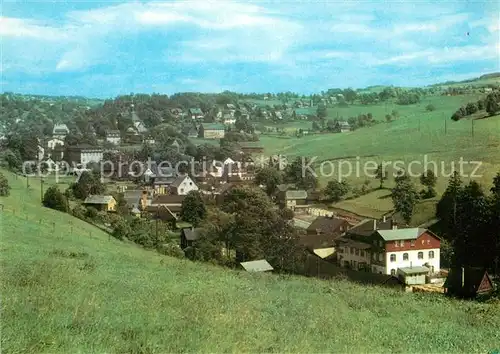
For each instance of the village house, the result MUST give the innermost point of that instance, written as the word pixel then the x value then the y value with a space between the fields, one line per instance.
pixel 342 127
pixel 292 199
pixel 228 119
pixel 83 154
pixel 321 236
pixel 60 131
pixel 384 248
pixel 211 131
pixel 182 185
pixel 195 113
pixel 251 147
pixel 176 112
pixel 101 202
pixel 235 172
pixel 52 143
pixel 160 177
pixel 161 212
pixel 113 137
pixel 149 139
pixel 328 225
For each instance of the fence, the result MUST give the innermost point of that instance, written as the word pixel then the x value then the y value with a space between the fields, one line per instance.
pixel 69 227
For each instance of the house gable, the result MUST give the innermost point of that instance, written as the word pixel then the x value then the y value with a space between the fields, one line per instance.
pixel 486 284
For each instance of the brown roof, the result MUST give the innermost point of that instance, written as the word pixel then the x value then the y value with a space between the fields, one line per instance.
pixel 326 224
pixel 345 242
pixel 161 211
pixel 168 199
pixel 368 227
pixel 177 182
pixel 313 242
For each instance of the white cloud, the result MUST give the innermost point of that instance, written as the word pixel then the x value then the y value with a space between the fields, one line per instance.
pixel 443 55
pixel 22 28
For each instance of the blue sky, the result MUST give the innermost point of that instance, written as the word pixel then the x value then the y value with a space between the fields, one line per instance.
pixel 102 49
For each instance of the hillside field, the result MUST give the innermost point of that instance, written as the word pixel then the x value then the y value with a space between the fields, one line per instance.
pixel 72 288
pixel 409 138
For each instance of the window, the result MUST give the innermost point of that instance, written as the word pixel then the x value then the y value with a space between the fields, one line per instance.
pixel 352 250
pixel 362 253
pixel 412 243
pixel 182 190
pixel 357 252
pixel 393 258
pixel 420 255
pixel 405 256
pixel 396 243
pixel 431 254
pixel 379 257
pixel 393 271
pixel 402 243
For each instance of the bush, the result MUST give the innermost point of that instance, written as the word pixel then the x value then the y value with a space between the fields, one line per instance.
pixel 91 213
pixel 79 212
pixel 171 250
pixel 54 199
pixel 4 186
pixel 430 108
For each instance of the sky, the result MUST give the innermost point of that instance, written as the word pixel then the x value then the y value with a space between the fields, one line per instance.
pixel 104 49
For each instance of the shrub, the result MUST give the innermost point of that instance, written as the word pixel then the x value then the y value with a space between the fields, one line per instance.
pixel 4 186
pixel 171 250
pixel 430 108
pixel 54 199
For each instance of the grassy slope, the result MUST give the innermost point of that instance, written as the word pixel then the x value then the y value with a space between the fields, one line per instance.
pixel 415 134
pixel 110 296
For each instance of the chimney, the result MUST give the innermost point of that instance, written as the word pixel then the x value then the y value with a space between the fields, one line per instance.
pixel 374 224
pixel 394 225
pixel 384 219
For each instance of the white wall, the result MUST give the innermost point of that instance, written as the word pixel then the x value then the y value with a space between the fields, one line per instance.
pixel 412 260
pixel 87 157
pixel 187 186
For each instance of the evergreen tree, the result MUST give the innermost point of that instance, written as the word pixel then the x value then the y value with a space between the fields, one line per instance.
pixel 193 208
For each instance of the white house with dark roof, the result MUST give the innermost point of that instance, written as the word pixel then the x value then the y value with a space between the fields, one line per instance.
pixel 182 185
pixel 52 143
pixel 60 131
pixel 114 137
pixel 382 247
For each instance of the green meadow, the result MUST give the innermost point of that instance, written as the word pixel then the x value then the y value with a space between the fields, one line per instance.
pixel 70 288
pixel 417 136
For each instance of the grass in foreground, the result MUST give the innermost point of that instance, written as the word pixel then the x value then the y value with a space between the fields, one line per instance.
pixel 71 292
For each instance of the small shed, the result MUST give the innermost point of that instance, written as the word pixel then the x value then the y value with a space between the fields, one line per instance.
pixel 413 275
pixel 101 202
pixel 257 266
pixel 188 236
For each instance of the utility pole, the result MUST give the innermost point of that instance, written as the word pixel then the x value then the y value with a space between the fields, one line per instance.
pixel 27 181
pixel 472 127
pixel 41 189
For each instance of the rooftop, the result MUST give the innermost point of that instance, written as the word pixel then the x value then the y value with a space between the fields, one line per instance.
pixel 401 234
pixel 300 194
pixel 98 199
pixel 213 126
pixel 257 266
pixel 414 270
